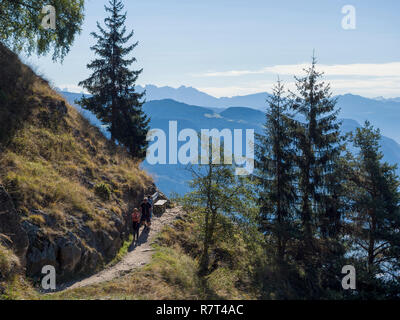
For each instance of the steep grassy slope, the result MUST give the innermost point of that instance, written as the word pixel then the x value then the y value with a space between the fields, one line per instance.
pixel 63 182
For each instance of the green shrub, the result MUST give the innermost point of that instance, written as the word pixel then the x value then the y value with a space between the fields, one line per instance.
pixel 103 191
pixel 37 219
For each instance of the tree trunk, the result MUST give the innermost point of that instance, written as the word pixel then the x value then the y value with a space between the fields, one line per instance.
pixel 371 245
pixel 113 122
pixel 206 244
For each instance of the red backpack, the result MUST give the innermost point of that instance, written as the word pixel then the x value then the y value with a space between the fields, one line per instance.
pixel 136 216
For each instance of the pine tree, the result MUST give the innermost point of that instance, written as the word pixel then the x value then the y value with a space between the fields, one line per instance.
pixel 317 140
pixel 275 175
pixel 112 85
pixel 376 211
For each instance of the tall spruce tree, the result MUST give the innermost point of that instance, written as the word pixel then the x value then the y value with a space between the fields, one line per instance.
pixel 275 174
pixel 317 140
pixel 376 215
pixel 112 85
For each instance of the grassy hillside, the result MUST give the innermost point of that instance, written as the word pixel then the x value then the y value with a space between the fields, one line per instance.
pixel 67 185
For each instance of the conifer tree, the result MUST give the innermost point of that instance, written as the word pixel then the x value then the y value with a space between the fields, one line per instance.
pixel 275 174
pixel 317 140
pixel 376 210
pixel 112 85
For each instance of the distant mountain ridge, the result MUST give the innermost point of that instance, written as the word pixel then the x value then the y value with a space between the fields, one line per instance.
pixel 387 99
pixel 173 178
pixel 183 94
pixel 192 96
pixel 383 114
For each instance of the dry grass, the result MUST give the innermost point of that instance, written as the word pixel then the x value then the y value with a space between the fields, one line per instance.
pixel 8 262
pixel 50 162
pixel 51 157
pixel 13 284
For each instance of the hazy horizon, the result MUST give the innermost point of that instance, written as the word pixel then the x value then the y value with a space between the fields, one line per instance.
pixel 72 90
pixel 231 48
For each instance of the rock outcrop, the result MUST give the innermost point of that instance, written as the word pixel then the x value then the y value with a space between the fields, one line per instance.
pixel 72 253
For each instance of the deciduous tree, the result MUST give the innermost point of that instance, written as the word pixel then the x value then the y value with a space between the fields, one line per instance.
pixel 21 25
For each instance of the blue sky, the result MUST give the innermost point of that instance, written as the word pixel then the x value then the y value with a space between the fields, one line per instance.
pixel 228 48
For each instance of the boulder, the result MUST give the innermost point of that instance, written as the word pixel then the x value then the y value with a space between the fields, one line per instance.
pixel 37 258
pixel 108 243
pixel 41 252
pixel 69 250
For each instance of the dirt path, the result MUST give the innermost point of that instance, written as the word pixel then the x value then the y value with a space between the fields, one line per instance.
pixel 139 254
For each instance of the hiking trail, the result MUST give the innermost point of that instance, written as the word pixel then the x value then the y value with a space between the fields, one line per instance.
pixel 139 254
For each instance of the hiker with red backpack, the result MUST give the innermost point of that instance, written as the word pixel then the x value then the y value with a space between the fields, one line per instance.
pixel 136 220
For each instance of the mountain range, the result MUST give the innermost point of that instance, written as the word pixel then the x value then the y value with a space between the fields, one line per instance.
pixel 382 113
pixel 193 96
pixel 228 115
pixel 387 99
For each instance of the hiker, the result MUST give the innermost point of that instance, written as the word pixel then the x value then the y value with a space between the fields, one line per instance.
pixel 150 200
pixel 146 220
pixel 136 219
